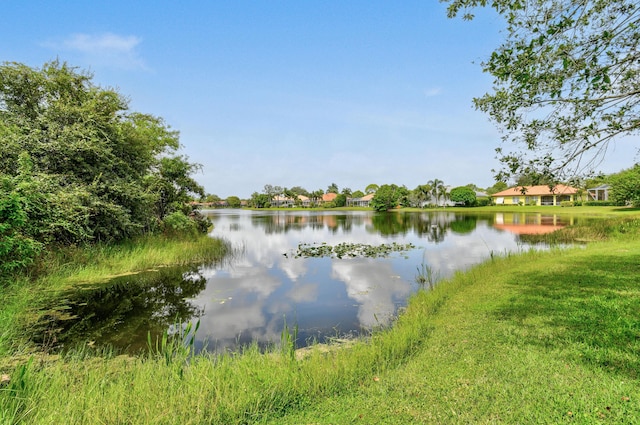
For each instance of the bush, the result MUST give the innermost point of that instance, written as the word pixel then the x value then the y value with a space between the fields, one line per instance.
pixel 602 204
pixel 567 204
pixel 177 223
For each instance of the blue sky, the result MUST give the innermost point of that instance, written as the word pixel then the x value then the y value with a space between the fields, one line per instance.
pixel 288 93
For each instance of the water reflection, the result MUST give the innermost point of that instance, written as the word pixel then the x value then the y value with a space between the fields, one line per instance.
pixel 249 298
pixel 531 223
pixel 122 313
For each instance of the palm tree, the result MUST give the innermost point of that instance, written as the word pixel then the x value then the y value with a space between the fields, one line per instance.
pixel 436 184
pixel 442 191
pixel 421 194
pixel 372 188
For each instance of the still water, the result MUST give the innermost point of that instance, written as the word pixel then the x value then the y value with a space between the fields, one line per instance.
pixel 263 284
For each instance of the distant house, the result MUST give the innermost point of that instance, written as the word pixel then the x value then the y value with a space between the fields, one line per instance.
pixel 329 197
pixel 304 200
pixel 600 193
pixel 364 201
pixel 535 195
pixel 282 202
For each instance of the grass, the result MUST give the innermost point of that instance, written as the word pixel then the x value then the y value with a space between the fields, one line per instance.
pixel 539 337
pixel 60 270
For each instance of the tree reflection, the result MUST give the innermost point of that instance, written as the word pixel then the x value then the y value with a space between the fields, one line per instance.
pixel 122 312
pixel 283 222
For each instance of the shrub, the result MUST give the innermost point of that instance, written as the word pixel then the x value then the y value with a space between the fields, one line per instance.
pixel 602 204
pixel 178 223
pixel 567 204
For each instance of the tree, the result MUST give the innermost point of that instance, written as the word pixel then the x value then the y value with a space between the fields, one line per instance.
pixel 298 190
pixel 341 200
pixel 442 193
pixel 463 194
pixel 625 186
pixel 566 82
pixel 333 188
pixel 210 198
pixel 372 188
pixel 357 194
pixel 172 184
pixel 388 197
pixel 421 194
pixel 234 202
pixel 272 191
pixel 436 186
pixel 260 200
pixel 499 186
pixel 316 195
pixel 87 167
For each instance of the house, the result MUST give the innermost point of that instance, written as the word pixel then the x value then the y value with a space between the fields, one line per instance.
pixel 304 201
pixel 364 201
pixel 328 197
pixel 282 202
pixel 600 193
pixel 535 195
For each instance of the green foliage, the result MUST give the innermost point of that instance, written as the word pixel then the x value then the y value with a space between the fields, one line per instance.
pixel 371 188
pixel 333 188
pixel 85 167
pixel 178 223
pixel 389 196
pixel 463 194
pixel 625 186
pixel 601 204
pixel 420 195
pixel 341 200
pixel 437 189
pixel 497 187
pixel 16 249
pixel 566 81
pixel 234 202
pixel 260 200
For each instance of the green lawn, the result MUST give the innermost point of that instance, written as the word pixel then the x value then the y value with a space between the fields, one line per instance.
pixel 540 338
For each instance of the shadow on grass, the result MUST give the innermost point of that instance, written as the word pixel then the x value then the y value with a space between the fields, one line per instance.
pixel 590 311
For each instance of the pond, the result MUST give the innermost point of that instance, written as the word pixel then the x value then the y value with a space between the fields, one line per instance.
pixel 283 270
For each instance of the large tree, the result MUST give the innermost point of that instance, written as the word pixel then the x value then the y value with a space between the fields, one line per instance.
pixel 389 196
pixel 566 81
pixel 86 167
pixel 625 186
pixel 464 195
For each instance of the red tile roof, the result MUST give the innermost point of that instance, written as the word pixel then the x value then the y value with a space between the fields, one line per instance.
pixel 328 197
pixel 540 190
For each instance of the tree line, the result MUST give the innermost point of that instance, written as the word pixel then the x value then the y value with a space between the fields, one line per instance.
pixel 77 166
pixel 385 197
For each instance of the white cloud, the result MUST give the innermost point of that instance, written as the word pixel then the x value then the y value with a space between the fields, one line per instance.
pixel 105 49
pixel 434 91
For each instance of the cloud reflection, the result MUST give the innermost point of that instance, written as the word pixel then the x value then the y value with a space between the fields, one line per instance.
pixel 374 285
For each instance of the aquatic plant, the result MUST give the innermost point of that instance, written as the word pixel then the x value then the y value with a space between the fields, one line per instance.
pixel 426 276
pixel 349 250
